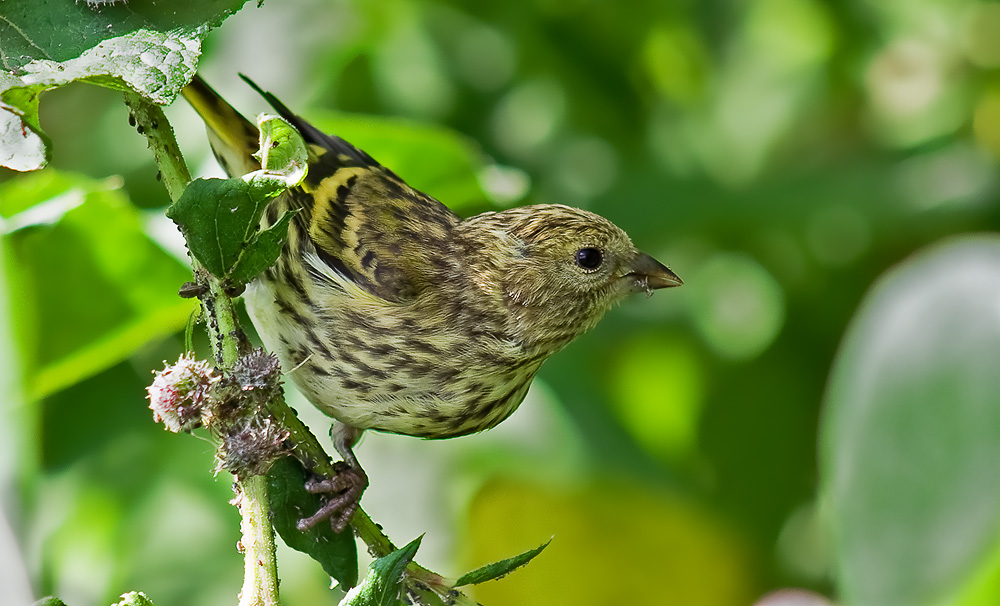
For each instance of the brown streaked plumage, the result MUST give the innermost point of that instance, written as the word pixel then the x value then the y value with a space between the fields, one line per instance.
pixel 391 313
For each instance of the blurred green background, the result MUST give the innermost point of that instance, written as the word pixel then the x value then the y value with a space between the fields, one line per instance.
pixel 779 155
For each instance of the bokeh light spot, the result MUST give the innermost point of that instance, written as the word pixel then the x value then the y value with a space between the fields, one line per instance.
pixel 409 73
pixel 797 34
pixel 657 386
pixel 528 116
pixel 674 60
pixel 485 58
pixel 738 307
pixel 956 174
pixel 905 78
pixel 504 185
pixel 586 167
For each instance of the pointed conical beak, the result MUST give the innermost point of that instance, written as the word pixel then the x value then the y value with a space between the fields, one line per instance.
pixel 648 274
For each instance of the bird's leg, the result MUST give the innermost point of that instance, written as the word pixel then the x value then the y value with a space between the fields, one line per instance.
pixel 345 488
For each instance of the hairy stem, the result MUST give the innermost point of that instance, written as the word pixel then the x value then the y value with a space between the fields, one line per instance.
pixel 151 122
pixel 260 585
pixel 260 567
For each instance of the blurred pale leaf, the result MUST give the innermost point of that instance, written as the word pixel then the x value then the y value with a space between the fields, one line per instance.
pixel 138 45
pixel 911 433
pixel 86 286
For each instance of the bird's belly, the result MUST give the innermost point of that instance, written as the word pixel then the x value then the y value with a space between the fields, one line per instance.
pixel 428 385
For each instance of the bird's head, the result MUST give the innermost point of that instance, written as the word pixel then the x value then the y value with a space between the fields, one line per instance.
pixel 558 269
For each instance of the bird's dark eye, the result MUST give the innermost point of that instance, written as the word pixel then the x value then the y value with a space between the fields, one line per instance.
pixel 589 258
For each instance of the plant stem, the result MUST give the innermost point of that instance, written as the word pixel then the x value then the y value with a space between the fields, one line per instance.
pixel 260 585
pixel 308 450
pixel 311 454
pixel 223 327
pixel 152 123
pixel 260 566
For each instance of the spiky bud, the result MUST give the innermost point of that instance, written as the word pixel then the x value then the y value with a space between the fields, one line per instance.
pixel 179 392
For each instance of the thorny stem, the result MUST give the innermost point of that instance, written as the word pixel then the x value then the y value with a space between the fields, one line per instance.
pixel 260 568
pixel 260 584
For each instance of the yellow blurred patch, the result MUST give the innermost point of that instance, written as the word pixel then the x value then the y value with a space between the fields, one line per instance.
pixel 613 544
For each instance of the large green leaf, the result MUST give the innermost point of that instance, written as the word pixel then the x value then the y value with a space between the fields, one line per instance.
pixel 220 217
pixel 149 47
pixel 290 502
pixel 911 432
pixel 86 286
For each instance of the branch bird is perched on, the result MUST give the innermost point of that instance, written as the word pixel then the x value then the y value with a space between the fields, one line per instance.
pixel 391 313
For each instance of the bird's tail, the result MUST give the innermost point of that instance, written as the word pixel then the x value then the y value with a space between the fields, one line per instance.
pixel 234 139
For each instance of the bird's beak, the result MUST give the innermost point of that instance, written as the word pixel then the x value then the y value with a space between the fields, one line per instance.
pixel 648 274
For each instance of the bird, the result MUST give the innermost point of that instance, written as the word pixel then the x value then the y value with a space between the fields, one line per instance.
pixel 390 313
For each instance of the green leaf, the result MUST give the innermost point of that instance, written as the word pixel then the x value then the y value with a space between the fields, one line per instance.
pixel 23 145
pixel 135 598
pixel 58 31
pixel 49 601
pixel 911 430
pixel 384 582
pixel 501 568
pixel 149 47
pixel 217 218
pixel 263 251
pixel 87 287
pixel 220 217
pixel 290 502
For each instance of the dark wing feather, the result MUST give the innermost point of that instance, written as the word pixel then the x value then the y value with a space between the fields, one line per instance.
pixel 363 220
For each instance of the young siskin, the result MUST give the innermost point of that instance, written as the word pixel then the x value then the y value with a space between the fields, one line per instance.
pixel 391 313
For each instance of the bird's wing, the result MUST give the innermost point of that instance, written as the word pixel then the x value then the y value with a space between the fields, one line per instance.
pixel 362 219
pixel 369 225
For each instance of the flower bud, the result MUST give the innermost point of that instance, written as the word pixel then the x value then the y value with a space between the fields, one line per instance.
pixel 178 393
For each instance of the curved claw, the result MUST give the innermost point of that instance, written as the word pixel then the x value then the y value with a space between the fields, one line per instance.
pixel 346 489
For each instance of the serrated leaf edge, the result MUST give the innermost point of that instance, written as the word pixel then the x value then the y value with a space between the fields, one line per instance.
pixel 504 567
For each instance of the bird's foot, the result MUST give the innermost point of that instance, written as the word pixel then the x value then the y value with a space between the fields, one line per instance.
pixel 345 491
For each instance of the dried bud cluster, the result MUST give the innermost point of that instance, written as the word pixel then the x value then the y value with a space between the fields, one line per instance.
pixel 188 394
pixel 257 370
pixel 251 441
pixel 250 447
pixel 179 393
